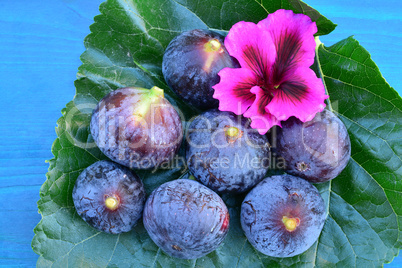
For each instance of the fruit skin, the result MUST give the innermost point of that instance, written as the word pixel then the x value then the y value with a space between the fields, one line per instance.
pixel 191 70
pixel 221 163
pixel 317 150
pixel 137 127
pixel 103 179
pixel 186 219
pixel 264 208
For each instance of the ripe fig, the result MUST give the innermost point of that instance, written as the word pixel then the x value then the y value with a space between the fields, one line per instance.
pixel 283 216
pixel 225 153
pixel 186 219
pixel 317 150
pixel 109 197
pixel 137 127
pixel 191 64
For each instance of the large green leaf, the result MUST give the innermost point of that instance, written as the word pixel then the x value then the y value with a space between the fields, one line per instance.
pixel 125 48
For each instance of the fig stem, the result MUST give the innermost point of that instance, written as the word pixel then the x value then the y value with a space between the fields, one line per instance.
pixel 112 202
pixel 290 223
pixel 232 132
pixel 213 45
pixel 154 94
pixel 191 177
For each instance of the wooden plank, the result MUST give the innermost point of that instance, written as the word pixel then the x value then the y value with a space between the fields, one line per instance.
pixel 40 45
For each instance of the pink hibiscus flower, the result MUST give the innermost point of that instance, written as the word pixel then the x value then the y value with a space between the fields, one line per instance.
pixel 275 80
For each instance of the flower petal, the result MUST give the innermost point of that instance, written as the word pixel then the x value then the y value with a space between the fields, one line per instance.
pixel 260 118
pixel 252 46
pixel 233 90
pixel 284 104
pixel 293 35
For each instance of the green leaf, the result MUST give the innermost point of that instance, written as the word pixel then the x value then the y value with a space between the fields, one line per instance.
pixel 125 48
pixel 365 200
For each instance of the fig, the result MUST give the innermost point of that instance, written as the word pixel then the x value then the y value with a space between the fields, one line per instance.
pixel 317 150
pixel 191 63
pixel 225 153
pixel 137 127
pixel 186 219
pixel 283 216
pixel 109 197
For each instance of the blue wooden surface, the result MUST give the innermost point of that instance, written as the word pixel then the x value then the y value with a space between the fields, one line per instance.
pixel 40 45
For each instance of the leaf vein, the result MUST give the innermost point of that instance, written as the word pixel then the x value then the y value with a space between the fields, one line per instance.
pixel 260 3
pixel 361 215
pixel 241 252
pixel 372 133
pixel 386 197
pixel 192 12
pixel 347 238
pixel 359 63
pixel 156 257
pixel 114 249
pixel 365 89
pixel 86 239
